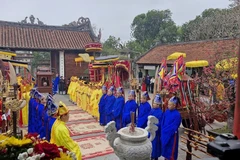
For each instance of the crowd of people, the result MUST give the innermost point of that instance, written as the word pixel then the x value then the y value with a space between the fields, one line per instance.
pixel 105 104
pixel 109 104
pixel 48 120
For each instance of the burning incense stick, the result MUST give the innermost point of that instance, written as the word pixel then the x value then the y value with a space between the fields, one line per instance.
pixel 132 127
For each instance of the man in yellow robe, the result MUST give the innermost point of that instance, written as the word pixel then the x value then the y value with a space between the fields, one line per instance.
pixel 70 87
pixel 89 94
pixel 81 84
pixel 84 97
pixel 98 95
pixel 78 93
pixel 25 108
pixel 74 90
pixel 26 96
pixel 92 99
pixel 60 133
pixel 81 94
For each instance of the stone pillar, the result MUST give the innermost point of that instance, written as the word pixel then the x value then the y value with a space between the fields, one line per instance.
pixel 61 63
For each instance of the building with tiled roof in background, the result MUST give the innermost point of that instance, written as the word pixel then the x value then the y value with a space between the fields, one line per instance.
pixel 195 50
pixel 63 42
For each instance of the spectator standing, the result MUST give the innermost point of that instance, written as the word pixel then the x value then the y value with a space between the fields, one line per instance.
pixel 152 81
pixel 56 84
pixel 147 81
pixel 61 85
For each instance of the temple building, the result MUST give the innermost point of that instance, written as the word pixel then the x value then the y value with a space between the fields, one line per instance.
pixel 63 42
pixel 209 50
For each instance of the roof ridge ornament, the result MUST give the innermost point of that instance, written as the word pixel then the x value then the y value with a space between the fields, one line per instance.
pixel 83 20
pixel 32 21
pixel 80 22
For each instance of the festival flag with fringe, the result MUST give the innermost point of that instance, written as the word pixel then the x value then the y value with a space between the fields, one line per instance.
pixel 162 69
pixel 166 79
pixel 177 73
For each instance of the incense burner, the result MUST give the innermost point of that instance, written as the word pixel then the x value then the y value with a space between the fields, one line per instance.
pixel 131 144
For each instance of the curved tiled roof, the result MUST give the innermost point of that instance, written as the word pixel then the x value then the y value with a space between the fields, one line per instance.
pixel 31 36
pixel 195 50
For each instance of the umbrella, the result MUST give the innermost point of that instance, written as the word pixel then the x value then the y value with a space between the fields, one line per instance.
pixel 195 64
pixel 227 64
pixel 175 55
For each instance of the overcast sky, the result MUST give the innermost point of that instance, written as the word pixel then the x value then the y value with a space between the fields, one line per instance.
pixel 113 16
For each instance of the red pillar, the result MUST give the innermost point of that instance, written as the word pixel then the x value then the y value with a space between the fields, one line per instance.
pixel 236 127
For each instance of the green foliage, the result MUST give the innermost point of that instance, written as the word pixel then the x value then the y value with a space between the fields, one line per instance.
pixel 135 46
pixel 12 152
pixel 154 27
pixel 212 24
pixel 39 57
pixel 111 46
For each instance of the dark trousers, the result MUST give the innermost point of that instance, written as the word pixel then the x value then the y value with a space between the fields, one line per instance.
pixel 152 87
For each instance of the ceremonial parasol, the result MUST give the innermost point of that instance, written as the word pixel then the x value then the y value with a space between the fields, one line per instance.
pixel 175 55
pixel 197 63
pixel 227 64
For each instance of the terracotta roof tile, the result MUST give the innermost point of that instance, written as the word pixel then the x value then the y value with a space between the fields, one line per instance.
pixel 198 50
pixel 26 36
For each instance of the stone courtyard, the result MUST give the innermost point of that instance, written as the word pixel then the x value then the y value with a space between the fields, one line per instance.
pixel 112 156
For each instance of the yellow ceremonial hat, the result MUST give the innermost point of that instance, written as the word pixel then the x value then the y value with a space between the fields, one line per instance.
pixel 62 109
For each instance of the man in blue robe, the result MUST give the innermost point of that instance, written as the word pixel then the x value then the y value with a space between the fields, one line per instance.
pixel 34 105
pixel 52 110
pixel 144 110
pixel 31 115
pixel 129 107
pixel 101 106
pixel 157 112
pixel 41 115
pixel 110 99
pixel 118 108
pixel 55 84
pixel 169 130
